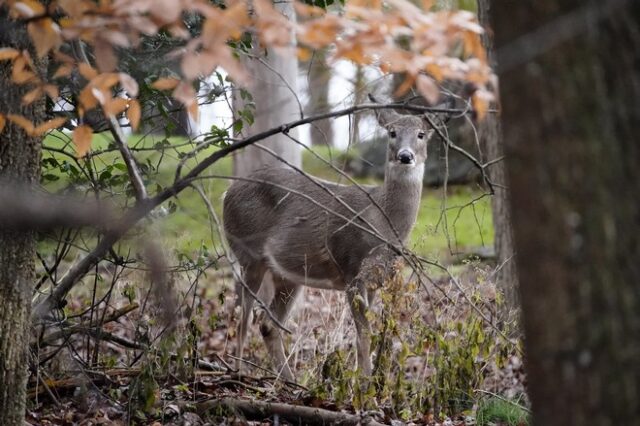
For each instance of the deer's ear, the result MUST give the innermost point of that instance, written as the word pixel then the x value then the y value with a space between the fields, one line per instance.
pixel 386 116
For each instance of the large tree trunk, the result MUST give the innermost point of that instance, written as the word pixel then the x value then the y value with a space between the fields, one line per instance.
pixel 319 76
pixel 19 162
pixel 274 93
pixel 490 133
pixel 570 86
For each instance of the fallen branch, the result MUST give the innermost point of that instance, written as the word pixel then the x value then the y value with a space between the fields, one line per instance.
pixel 296 414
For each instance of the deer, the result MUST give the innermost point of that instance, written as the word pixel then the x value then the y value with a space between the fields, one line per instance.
pixel 287 230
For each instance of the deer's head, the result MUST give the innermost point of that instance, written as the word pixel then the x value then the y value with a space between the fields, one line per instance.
pixel 408 136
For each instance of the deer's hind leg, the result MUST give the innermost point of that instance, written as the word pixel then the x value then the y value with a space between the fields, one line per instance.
pixel 252 275
pixel 286 294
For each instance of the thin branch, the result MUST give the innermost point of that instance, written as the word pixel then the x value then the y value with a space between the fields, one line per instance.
pixel 132 168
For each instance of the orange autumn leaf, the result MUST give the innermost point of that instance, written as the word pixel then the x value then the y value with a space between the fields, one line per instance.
pixel 114 106
pixel 129 84
pixel 27 9
pixel 87 71
pixel 20 72
pixel 165 83
pixel 134 113
pixel 406 85
pixel 52 124
pixel 82 137
pixel 45 35
pixel 51 90
pixel 23 122
pixel 480 102
pixel 6 53
pixel 428 88
pixel 31 96
pixel 63 70
pixel 3 121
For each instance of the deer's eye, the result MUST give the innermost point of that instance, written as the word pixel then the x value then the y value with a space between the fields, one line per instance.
pixel 421 135
pixel 392 133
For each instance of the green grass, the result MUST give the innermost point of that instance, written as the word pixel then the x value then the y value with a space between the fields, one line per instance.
pixel 495 411
pixel 446 223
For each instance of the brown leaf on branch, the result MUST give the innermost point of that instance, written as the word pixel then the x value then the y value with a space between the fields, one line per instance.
pixel 185 93
pixel 106 58
pixel 31 96
pixel 165 83
pixel 134 113
pixel 87 71
pixel 129 84
pixel 114 106
pixel 27 9
pixel 6 53
pixel 45 35
pixel 23 122
pixel 428 88
pixel 21 72
pixel 39 130
pixel 82 137
pixel 63 70
pixel 48 125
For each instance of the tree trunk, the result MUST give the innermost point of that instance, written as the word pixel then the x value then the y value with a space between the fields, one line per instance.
pixel 490 133
pixel 319 76
pixel 570 80
pixel 19 162
pixel 274 93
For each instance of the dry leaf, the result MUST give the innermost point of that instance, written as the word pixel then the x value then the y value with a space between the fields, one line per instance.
pixel 134 113
pixel 52 124
pixel 114 106
pixel 23 122
pixel 45 35
pixel 82 137
pixel 428 88
pixel 480 102
pixel 63 70
pixel 87 71
pixel 129 84
pixel 106 58
pixel 166 83
pixel 86 98
pixel 406 85
pixel 3 121
pixel 27 9
pixel 20 72
pixel 31 96
pixel 51 90
pixel 8 53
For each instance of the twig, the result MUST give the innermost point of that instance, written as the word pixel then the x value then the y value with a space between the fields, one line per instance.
pixel 132 168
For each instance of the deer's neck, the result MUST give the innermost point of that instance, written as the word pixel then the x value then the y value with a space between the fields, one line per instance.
pixel 401 194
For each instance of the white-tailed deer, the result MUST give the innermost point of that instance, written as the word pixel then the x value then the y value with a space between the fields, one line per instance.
pixel 308 232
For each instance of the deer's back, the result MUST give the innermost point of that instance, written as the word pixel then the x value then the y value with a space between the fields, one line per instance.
pixel 299 229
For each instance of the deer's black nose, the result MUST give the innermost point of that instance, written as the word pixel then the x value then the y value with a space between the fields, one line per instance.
pixel 406 157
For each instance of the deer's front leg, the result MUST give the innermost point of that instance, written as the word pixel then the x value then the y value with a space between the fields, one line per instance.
pixel 358 302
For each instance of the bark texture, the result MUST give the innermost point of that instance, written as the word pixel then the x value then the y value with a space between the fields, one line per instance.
pixel 490 133
pixel 19 162
pixel 274 94
pixel 570 85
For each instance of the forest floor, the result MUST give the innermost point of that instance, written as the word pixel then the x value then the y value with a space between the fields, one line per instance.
pixel 141 373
